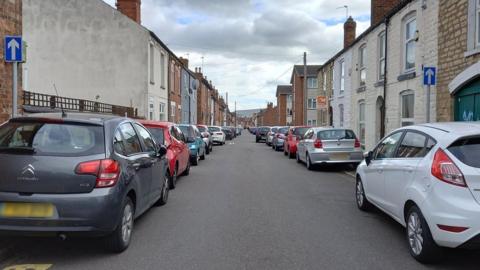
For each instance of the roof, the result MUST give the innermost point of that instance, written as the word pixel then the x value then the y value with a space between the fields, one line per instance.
pixel 284 90
pixel 247 113
pixel 312 71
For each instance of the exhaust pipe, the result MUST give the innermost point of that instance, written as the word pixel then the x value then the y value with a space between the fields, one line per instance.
pixel 62 236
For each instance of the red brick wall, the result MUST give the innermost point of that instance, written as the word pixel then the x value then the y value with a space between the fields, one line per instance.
pixel 202 102
pixel 282 110
pixel 380 8
pixel 131 9
pixel 10 24
pixel 174 93
pixel 350 31
pixel 298 104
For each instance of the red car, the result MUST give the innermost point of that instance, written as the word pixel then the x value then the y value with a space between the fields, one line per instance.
pixel 294 135
pixel 178 154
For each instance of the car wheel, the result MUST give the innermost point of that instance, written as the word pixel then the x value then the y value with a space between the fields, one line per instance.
pixel 420 241
pixel 164 193
pixel 284 151
pixel 202 157
pixel 297 157
pixel 290 154
pixel 195 159
pixel 173 178
pixel 309 162
pixel 211 147
pixel 119 240
pixel 362 201
pixel 207 150
pixel 187 170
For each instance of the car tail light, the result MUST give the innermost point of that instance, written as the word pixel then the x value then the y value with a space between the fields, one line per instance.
pixel 445 170
pixel 106 170
pixel 357 143
pixel 318 143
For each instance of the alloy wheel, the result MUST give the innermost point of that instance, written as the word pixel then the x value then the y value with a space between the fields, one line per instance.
pixel 127 223
pixel 414 230
pixel 165 189
pixel 360 193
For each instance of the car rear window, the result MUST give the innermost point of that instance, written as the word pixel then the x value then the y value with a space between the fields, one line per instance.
pixel 158 134
pixel 265 129
pixel 187 131
pixel 300 131
pixel 202 129
pixel 283 130
pixel 213 129
pixel 274 129
pixel 467 150
pixel 336 134
pixel 52 139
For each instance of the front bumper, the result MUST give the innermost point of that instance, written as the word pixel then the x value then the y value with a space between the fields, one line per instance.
pixel 95 213
pixel 336 157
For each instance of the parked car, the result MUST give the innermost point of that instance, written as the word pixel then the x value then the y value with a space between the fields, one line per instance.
pixel 238 131
pixel 79 174
pixel 427 178
pixel 207 137
pixel 195 143
pixel 261 134
pixel 270 135
pixel 217 134
pixel 295 134
pixel 253 130
pixel 228 133
pixel 279 138
pixel 178 153
pixel 329 146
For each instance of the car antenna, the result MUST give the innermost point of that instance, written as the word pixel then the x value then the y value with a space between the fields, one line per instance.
pixel 64 114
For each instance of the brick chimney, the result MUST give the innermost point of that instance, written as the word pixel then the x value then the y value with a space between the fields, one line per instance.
pixel 349 34
pixel 380 8
pixel 184 61
pixel 130 8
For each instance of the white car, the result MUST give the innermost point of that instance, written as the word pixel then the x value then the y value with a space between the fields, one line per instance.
pixel 217 134
pixel 427 177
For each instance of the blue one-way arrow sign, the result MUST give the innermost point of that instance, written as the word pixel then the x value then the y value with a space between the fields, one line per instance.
pixel 13 49
pixel 429 75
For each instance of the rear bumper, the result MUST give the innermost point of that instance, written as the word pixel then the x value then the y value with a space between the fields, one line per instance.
pixel 97 213
pixel 327 157
pixel 218 139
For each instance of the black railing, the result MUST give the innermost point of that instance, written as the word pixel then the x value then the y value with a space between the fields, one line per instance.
pixel 36 102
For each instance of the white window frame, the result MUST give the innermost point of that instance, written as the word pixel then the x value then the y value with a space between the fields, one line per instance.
pixel 152 63
pixel 312 83
pixel 362 53
pixel 162 68
pixel 342 77
pixel 312 103
pixel 333 81
pixel 151 110
pixel 161 110
pixel 409 19
pixel 381 55
pixel 361 120
pixel 412 118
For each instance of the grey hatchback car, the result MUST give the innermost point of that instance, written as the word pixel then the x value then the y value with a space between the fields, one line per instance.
pixel 78 174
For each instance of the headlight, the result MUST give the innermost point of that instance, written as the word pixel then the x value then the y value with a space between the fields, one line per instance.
pixel 193 146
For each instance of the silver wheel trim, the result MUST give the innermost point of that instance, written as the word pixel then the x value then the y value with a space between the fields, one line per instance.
pixel 360 193
pixel 309 164
pixel 165 189
pixel 414 230
pixel 127 223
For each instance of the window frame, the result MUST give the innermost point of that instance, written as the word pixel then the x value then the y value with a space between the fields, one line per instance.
pixel 477 25
pixel 427 139
pixel 311 85
pixel 312 103
pixel 173 108
pixel 162 72
pixel 324 86
pixel 124 139
pixel 361 122
pixel 138 128
pixel 375 150
pixel 382 48
pixel 407 20
pixel 402 119
pixel 362 67
pixel 342 77
pixel 152 63
pixel 161 111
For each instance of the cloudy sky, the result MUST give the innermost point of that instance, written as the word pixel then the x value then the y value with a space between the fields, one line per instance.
pixel 250 46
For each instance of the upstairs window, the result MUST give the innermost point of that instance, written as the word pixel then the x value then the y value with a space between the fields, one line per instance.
pixel 361 121
pixel 362 54
pixel 342 77
pixel 381 56
pixel 152 64
pixel 324 87
pixel 410 35
pixel 312 83
pixel 340 109
pixel 312 104
pixel 162 68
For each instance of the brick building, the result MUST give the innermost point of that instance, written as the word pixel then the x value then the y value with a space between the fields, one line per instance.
pixel 299 102
pixel 203 98
pixel 458 81
pixel 174 95
pixel 10 24
pixel 284 104
pixel 325 82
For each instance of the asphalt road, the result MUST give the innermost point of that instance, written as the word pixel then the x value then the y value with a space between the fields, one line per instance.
pixel 247 207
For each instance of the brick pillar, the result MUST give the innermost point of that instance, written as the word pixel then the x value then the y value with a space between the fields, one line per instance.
pixel 349 34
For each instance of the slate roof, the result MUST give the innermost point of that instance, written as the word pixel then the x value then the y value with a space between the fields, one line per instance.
pixel 284 90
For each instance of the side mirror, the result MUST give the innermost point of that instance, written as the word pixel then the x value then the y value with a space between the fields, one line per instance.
pixel 162 151
pixel 368 157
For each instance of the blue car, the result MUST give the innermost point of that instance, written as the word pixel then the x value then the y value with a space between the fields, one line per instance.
pixel 195 143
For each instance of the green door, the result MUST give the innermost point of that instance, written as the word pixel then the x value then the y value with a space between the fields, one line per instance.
pixel 467 103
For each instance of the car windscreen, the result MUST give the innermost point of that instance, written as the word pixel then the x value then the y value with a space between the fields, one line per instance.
pixel 264 129
pixel 283 130
pixel 187 131
pixel 467 150
pixel 300 131
pixel 202 129
pixel 336 134
pixel 52 139
pixel 274 130
pixel 158 134
pixel 214 129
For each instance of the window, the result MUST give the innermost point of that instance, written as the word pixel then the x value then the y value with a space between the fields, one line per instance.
pixel 311 122
pixel 312 83
pixel 324 87
pixel 386 149
pixel 381 56
pixel 340 109
pixel 342 77
pixel 362 54
pixel 414 145
pixel 407 105
pixel 336 134
pixel 467 150
pixel 361 121
pixel 152 64
pixel 333 80
pixel 150 110
pixel 410 30
pixel 158 134
pixel 173 108
pixel 131 141
pixel 162 68
pixel 312 104
pixel 146 139
pixel 161 109
pixel 309 134
pixel 118 146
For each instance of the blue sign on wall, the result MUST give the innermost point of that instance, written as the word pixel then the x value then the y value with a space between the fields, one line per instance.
pixel 429 76
pixel 13 49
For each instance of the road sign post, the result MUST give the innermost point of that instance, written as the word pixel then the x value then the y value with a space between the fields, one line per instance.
pixel 13 49
pixel 429 79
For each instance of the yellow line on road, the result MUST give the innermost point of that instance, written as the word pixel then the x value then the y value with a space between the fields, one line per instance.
pixel 29 267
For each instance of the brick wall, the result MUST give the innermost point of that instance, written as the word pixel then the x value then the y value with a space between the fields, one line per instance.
pixel 298 98
pixel 452 45
pixel 270 117
pixel 174 95
pixel 202 100
pixel 10 24
pixel 282 110
pixel 379 8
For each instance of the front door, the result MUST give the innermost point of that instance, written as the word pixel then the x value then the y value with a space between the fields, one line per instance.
pixel 467 103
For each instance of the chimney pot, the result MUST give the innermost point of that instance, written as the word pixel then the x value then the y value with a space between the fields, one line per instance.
pixel 130 8
pixel 349 28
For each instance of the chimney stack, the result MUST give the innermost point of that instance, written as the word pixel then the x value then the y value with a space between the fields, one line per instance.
pixel 349 34
pixel 380 8
pixel 184 61
pixel 130 8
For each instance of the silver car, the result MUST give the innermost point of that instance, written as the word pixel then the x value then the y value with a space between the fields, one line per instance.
pixel 270 135
pixel 329 145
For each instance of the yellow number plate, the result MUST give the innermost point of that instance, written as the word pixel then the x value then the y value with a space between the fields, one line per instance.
pixel 340 156
pixel 26 210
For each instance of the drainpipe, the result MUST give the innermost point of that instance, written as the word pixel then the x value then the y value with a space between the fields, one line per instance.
pixel 383 124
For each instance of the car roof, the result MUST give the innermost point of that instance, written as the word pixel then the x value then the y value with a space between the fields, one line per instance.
pixel 447 132
pixel 88 118
pixel 149 123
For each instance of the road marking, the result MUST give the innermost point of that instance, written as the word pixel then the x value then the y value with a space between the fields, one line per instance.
pixel 29 267
pixel 350 174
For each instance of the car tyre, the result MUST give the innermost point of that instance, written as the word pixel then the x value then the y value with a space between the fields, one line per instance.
pixel 119 240
pixel 419 238
pixel 202 157
pixel 297 157
pixel 173 178
pixel 164 193
pixel 187 170
pixel 308 162
pixel 195 159
pixel 207 150
pixel 362 201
